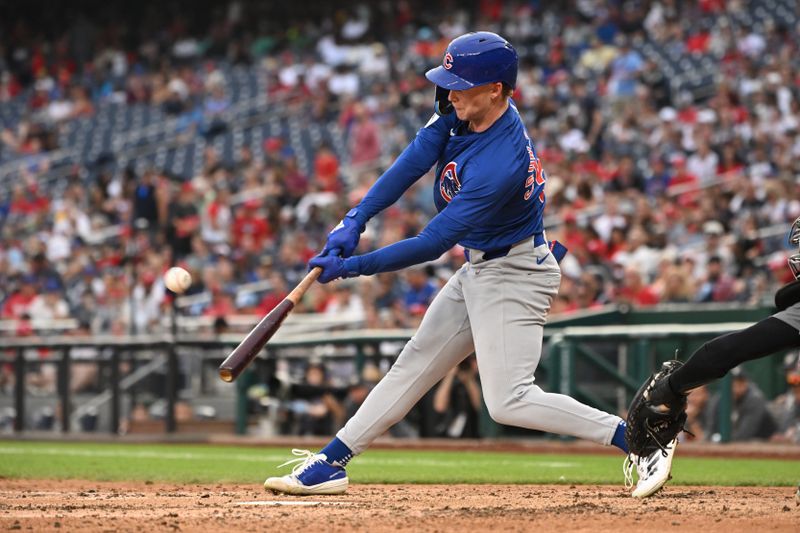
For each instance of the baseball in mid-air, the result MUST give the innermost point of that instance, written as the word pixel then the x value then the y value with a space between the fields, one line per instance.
pixel 177 279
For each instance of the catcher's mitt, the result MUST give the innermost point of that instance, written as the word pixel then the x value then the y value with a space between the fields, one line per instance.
pixel 651 427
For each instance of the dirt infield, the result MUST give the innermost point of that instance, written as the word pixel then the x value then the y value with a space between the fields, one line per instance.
pixel 106 507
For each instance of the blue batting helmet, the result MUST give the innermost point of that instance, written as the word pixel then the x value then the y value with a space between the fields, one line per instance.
pixel 472 60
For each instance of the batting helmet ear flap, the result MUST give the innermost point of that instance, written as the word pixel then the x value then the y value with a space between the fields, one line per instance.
pixel 442 105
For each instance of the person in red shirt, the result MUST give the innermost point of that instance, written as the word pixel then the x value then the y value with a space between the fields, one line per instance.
pixel 683 180
pixel 326 169
pixel 222 304
pixel 633 291
pixel 295 181
pixel 572 235
pixel 276 294
pixel 250 228
pixel 16 305
pixel 365 142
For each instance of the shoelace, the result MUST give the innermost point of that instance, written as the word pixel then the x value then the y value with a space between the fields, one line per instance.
pixel 627 469
pixel 305 459
pixel 628 465
pixel 632 460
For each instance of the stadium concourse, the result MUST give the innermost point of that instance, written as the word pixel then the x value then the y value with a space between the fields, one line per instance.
pixel 230 140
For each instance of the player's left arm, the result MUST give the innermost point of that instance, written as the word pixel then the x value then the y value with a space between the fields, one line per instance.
pixel 474 206
pixel 418 157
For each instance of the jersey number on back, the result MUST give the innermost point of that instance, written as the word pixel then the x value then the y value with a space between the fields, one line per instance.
pixel 536 176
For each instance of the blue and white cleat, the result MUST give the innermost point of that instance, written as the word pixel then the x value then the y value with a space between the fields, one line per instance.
pixel 312 475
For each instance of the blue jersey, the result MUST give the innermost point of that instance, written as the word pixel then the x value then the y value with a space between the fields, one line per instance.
pixel 491 182
pixel 489 191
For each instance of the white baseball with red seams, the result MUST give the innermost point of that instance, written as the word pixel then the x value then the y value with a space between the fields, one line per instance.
pixel 177 279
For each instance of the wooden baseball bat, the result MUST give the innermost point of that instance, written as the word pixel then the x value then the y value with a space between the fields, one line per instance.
pixel 252 345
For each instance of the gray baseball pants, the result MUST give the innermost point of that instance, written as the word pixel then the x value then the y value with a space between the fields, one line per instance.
pixel 497 309
pixel 790 315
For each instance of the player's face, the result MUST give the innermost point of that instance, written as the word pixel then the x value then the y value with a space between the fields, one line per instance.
pixel 472 105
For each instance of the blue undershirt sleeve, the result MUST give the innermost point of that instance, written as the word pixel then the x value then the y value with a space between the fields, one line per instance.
pixel 473 206
pixel 439 235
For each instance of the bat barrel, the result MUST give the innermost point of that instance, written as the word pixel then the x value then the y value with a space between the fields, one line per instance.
pixel 255 341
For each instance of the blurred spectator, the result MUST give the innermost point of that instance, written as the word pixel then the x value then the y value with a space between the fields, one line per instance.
pixel 316 410
pixel 698 416
pixel 703 163
pixel 84 370
pixel 677 286
pixel 750 416
pixel 597 56
pixel 18 303
pixel 217 218
pixel 183 221
pixel 625 69
pixel 358 391
pixel 222 303
pixel 295 180
pixel 250 228
pixel 345 303
pixel 663 143
pixel 633 291
pixel 718 286
pixel 365 144
pixel 145 206
pixel 457 401
pixel 49 305
pixel 419 290
pixel 276 293
pixel 326 169
pixel 786 407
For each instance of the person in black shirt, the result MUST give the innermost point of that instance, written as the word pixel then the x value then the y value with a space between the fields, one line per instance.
pixel 183 222
pixel 458 401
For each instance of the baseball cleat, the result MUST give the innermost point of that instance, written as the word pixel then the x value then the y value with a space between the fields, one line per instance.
pixel 312 474
pixel 653 470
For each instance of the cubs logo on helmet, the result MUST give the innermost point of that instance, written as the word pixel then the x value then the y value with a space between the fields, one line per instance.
pixel 447 62
pixel 448 182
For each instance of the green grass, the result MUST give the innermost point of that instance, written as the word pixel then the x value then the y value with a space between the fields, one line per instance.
pixel 210 464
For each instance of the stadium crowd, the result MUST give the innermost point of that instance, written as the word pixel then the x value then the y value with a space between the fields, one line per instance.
pixel 661 193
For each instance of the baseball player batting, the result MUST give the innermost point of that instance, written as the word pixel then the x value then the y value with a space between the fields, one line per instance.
pixel 489 191
pixel 657 413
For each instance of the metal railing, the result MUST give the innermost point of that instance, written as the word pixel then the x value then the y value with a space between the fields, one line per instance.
pixel 635 361
pixel 570 350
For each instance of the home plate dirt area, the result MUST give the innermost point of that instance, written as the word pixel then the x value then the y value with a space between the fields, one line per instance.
pixel 52 505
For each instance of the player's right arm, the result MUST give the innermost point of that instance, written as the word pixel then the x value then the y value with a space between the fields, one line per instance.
pixel 476 204
pixel 418 157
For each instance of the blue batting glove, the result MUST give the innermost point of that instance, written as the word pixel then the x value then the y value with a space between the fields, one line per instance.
pixel 344 236
pixel 333 267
